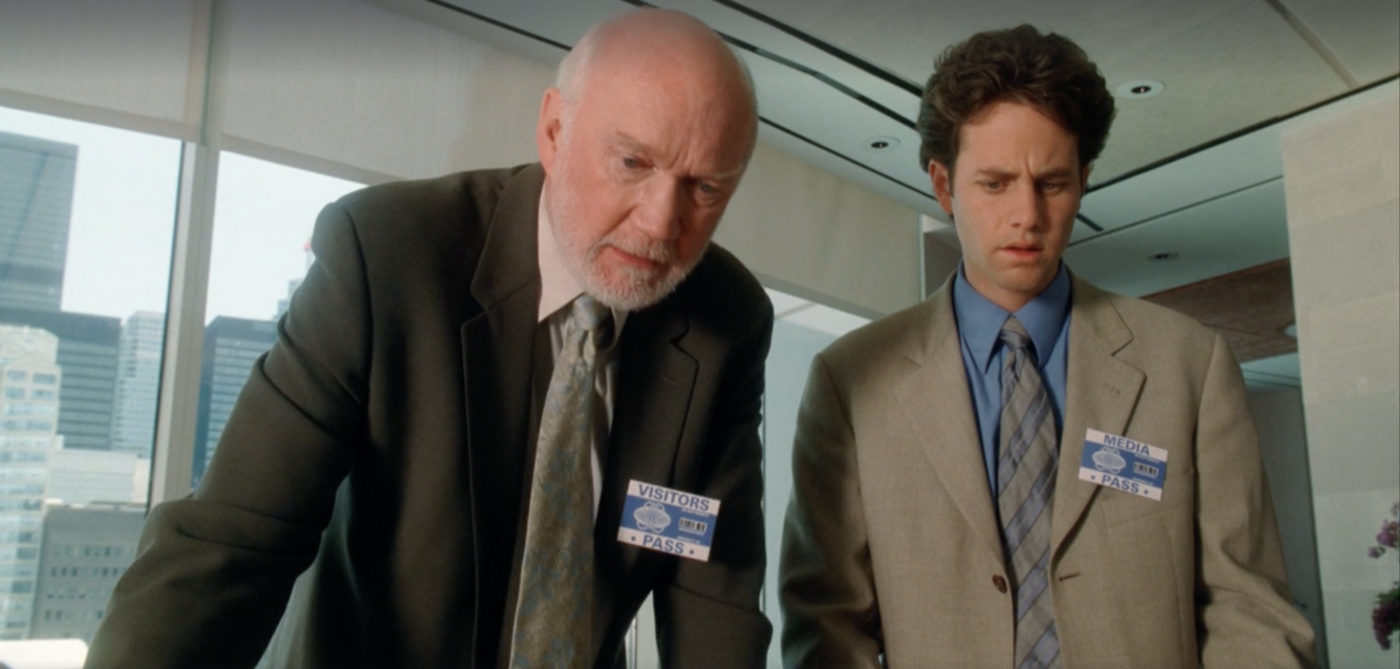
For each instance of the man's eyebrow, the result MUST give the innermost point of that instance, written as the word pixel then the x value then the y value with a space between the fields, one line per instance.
pixel 994 172
pixel 629 142
pixel 731 175
pixel 636 146
pixel 1055 173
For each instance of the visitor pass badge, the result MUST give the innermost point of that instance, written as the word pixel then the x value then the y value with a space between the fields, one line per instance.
pixel 1123 464
pixel 668 521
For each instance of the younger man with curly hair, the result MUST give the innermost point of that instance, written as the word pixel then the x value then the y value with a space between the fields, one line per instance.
pixel 1025 470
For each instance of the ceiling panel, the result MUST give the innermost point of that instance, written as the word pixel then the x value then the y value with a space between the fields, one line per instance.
pixel 1174 176
pixel 1221 78
pixel 1211 173
pixel 840 123
pixel 1240 60
pixel 802 55
pixel 907 36
pixel 834 21
pixel 1225 235
pixel 1363 34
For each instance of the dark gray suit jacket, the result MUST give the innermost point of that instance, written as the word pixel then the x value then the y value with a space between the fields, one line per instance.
pixel 386 437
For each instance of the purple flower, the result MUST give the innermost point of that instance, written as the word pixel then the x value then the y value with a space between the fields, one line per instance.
pixel 1390 533
pixel 1385 618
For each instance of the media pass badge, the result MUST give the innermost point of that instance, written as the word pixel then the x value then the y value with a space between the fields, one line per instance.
pixel 668 521
pixel 1121 463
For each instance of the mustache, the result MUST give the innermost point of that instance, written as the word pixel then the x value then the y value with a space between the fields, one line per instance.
pixel 658 252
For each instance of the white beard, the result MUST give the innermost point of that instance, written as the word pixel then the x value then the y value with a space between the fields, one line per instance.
pixel 620 287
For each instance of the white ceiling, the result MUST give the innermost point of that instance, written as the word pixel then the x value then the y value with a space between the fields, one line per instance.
pixel 1194 171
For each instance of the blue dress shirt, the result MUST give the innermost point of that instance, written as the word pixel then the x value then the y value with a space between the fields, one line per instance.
pixel 1046 318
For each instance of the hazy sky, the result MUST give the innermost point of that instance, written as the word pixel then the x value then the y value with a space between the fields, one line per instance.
pixel 123 222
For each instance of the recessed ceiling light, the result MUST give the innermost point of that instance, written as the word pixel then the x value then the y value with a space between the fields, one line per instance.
pixel 1163 257
pixel 880 143
pixel 1140 89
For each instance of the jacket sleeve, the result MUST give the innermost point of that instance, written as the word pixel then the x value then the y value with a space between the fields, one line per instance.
pixel 707 615
pixel 214 570
pixel 1242 607
pixel 830 616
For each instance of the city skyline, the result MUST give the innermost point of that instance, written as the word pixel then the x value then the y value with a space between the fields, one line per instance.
pixel 80 423
pixel 122 222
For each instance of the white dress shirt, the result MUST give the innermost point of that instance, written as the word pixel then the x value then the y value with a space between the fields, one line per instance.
pixel 558 289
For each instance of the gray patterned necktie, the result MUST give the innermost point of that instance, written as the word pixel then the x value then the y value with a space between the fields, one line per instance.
pixel 553 619
pixel 1025 491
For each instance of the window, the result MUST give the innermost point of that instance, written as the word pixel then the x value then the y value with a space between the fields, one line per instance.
pixel 261 250
pixel 91 251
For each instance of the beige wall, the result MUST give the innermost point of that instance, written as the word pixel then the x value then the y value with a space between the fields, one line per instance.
pixel 811 234
pixel 1342 179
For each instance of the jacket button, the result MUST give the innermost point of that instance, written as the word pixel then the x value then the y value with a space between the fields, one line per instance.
pixel 1000 583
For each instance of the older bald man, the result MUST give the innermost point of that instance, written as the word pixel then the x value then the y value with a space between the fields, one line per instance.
pixel 493 404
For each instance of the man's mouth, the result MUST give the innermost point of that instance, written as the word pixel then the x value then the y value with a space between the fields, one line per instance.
pixel 637 259
pixel 1022 250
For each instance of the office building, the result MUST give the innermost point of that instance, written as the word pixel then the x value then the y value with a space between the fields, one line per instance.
pixel 87 352
pixel 85 550
pixel 231 346
pixel 96 477
pixel 138 384
pixel 36 200
pixel 30 379
pixel 294 284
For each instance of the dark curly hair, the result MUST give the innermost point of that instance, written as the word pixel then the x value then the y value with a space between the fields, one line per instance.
pixel 1045 71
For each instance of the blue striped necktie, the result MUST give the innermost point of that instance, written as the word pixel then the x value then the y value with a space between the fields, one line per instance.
pixel 1025 492
pixel 553 619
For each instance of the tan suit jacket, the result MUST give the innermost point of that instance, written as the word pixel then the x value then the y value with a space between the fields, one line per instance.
pixel 891 544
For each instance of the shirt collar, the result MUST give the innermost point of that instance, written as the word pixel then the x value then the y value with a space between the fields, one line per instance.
pixel 558 288
pixel 979 320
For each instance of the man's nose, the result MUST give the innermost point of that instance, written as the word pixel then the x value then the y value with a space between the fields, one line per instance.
pixel 660 211
pixel 1027 206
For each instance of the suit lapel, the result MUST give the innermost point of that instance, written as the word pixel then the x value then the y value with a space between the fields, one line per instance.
pixel 1101 393
pixel 655 379
pixel 655 383
pixel 945 428
pixel 497 352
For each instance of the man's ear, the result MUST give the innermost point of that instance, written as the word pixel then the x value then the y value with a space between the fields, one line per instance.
pixel 548 127
pixel 942 180
pixel 1084 178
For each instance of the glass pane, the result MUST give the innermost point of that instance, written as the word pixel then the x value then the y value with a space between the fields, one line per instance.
pixel 801 331
pixel 263 217
pixel 86 221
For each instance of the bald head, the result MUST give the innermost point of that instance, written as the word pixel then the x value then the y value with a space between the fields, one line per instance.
pixel 643 141
pixel 659 40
